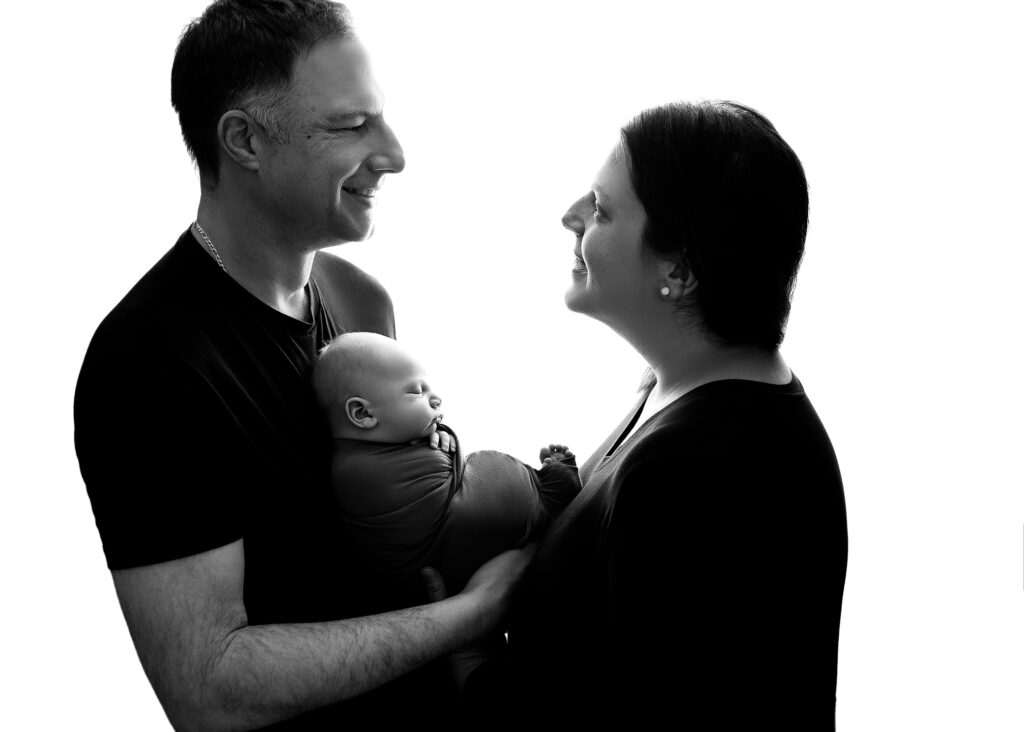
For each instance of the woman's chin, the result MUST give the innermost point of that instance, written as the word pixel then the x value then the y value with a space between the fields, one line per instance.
pixel 575 296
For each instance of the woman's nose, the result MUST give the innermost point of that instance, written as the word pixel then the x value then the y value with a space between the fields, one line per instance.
pixel 572 221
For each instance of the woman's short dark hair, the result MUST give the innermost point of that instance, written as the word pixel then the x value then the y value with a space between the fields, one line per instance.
pixel 723 189
pixel 240 55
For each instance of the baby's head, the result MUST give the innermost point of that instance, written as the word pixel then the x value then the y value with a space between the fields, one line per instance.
pixel 373 390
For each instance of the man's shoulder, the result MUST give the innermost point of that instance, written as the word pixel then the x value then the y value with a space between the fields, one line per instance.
pixel 336 273
pixel 355 298
pixel 161 322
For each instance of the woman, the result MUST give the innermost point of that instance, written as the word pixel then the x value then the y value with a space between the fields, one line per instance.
pixel 701 570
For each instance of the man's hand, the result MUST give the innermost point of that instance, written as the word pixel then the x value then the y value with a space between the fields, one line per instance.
pixel 491 586
pixel 498 577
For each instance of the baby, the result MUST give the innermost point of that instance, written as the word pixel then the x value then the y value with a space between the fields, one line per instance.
pixel 407 505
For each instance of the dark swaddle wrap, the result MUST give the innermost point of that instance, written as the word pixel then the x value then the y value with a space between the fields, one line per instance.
pixel 411 506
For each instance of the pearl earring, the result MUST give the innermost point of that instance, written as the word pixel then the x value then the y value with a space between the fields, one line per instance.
pixel 665 291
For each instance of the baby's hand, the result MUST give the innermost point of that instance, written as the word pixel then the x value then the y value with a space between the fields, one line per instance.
pixel 551 453
pixel 444 441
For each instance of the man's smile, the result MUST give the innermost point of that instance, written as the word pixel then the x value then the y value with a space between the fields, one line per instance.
pixel 362 192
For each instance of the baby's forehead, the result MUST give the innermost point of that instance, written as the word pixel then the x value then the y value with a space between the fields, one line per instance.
pixel 391 362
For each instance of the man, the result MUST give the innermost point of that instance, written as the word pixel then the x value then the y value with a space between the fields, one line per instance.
pixel 196 428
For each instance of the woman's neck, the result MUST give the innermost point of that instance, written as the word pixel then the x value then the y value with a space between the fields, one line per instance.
pixel 683 367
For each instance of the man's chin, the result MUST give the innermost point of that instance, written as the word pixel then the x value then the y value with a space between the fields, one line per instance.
pixel 362 234
pixel 350 229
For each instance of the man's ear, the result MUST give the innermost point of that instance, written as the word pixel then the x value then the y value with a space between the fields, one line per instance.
pixel 359 413
pixel 677 275
pixel 240 138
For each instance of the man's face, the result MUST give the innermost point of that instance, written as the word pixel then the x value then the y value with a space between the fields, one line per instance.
pixel 321 183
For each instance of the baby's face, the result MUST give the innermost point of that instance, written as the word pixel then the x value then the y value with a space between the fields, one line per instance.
pixel 401 399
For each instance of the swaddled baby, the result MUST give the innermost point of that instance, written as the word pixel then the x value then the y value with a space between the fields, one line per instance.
pixel 407 505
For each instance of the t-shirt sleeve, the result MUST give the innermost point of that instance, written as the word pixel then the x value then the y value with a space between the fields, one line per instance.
pixel 162 458
pixel 356 298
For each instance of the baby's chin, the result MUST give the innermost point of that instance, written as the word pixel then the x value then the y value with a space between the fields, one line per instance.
pixel 425 434
pixel 432 427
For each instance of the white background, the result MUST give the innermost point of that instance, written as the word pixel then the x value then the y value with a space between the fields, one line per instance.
pixel 905 324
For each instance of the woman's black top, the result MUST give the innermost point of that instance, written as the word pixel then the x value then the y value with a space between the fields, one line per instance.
pixel 699 574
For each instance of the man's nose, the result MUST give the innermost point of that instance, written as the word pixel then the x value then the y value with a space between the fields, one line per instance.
pixel 388 156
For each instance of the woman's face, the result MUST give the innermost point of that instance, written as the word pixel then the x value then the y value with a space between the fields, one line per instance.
pixel 613 269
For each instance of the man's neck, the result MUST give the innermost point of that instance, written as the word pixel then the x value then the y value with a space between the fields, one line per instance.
pixel 257 255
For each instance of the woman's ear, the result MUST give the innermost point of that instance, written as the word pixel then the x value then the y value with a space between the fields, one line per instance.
pixel 240 139
pixel 359 413
pixel 675 277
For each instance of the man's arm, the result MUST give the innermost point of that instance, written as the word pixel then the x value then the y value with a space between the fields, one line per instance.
pixel 213 671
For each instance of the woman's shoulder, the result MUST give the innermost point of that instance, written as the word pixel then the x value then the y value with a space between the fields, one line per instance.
pixel 717 427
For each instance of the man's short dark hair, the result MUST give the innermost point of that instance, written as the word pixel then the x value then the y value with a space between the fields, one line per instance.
pixel 240 54
pixel 723 189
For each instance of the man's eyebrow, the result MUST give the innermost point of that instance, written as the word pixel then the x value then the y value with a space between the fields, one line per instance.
pixel 349 116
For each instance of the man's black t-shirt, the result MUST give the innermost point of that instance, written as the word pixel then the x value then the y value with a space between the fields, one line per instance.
pixel 196 426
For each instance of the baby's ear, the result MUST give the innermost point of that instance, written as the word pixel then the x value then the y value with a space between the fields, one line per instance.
pixel 358 412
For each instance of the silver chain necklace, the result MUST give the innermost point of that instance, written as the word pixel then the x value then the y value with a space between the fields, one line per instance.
pixel 213 249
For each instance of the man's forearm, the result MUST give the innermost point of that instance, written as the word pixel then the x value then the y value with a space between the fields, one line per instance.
pixel 213 671
pixel 266 673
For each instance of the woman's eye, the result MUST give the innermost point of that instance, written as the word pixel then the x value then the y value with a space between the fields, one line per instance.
pixel 598 212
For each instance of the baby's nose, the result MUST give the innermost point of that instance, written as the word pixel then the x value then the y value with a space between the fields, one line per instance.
pixel 435 402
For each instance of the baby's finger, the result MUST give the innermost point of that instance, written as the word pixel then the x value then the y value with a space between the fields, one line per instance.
pixel 434 440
